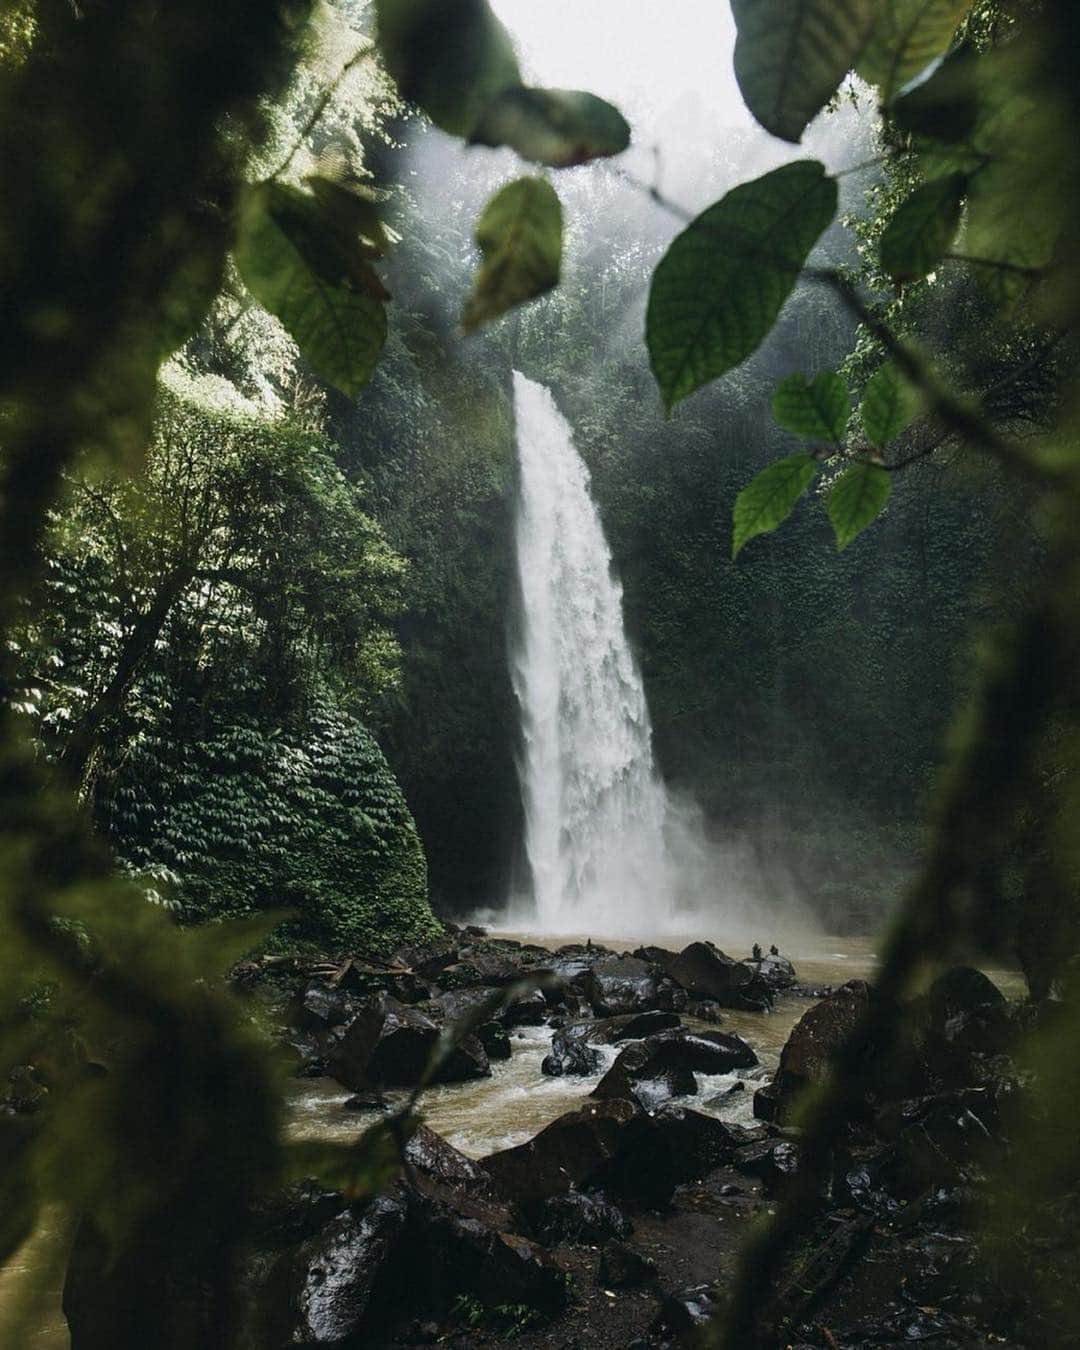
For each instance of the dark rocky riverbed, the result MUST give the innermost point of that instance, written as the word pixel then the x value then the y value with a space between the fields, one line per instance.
pixel 629 1116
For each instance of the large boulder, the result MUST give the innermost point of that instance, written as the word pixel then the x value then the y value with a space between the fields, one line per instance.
pixel 705 972
pixel 390 1044
pixel 579 1216
pixel 814 1040
pixel 610 1144
pixel 620 984
pixel 443 1174
pixel 697 1143
pixel 648 1072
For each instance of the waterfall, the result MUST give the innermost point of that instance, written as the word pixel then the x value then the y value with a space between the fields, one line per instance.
pixel 594 806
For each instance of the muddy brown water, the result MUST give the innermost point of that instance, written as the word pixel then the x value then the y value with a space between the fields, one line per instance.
pixel 510 1106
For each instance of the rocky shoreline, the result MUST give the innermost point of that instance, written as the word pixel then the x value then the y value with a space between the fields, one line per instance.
pixel 620 1223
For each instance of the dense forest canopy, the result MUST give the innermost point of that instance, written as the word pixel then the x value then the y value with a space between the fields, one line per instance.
pixel 268 270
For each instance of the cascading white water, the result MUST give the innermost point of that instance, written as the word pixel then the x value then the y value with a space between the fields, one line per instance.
pixel 594 806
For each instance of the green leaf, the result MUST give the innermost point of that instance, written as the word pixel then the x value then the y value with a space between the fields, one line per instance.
pixel 908 36
pixel 818 411
pixel 450 57
pixel 557 127
pixel 520 236
pixel 923 228
pixel 857 499
pixel 942 102
pixel 718 289
pixel 888 405
pixel 298 264
pixel 770 497
pixel 354 211
pixel 792 55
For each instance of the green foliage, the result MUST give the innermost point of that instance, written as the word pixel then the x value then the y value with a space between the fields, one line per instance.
pixel 819 410
pixel 923 229
pixel 556 127
pixel 520 237
pixel 888 405
pixel 450 57
pixel 314 276
pixel 857 499
pixel 791 56
pixel 718 289
pixel 770 497
pixel 908 35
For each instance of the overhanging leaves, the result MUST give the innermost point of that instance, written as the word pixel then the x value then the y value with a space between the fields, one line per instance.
pixel 888 405
pixel 770 497
pixel 720 286
pixel 520 236
pixel 818 411
pixel 557 127
pixel 791 56
pixel 450 57
pixel 857 499
pixel 908 36
pixel 923 228
pixel 300 266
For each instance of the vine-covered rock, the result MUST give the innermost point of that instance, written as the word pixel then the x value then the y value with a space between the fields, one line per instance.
pixel 242 816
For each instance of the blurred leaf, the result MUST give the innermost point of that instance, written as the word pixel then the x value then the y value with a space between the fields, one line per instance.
pixel 718 289
pixel 941 103
pixel 770 497
pixel 359 1169
pixel 923 228
pixel 520 236
pixel 908 36
pixel 857 499
pixel 818 411
pixel 353 209
pixel 888 405
pixel 299 265
pixel 450 57
pixel 557 127
pixel 791 56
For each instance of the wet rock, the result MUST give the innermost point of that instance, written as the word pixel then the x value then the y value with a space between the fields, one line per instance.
pixel 464 1256
pixel 814 1039
pixel 335 1287
pixel 428 959
pixel 620 1267
pixel 646 1024
pixel 389 1043
pixel 705 1010
pixel 770 1160
pixel 318 1006
pixel 620 984
pixel 705 972
pixel 370 1099
pixel 293 1214
pixel 579 1216
pixel 774 971
pixel 649 1072
pixel 697 1143
pixel 685 1313
pixel 528 1011
pixel 459 1184
pixel 612 1145
pixel 495 1039
pixel 570 1055
pixel 713 1052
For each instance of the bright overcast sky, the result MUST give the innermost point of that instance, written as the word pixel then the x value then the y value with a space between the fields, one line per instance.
pixel 641 54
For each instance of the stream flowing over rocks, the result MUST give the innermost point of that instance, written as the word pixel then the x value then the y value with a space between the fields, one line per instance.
pixel 650 1132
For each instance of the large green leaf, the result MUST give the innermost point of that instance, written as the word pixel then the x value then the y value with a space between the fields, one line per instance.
pixel 450 57
pixel 718 289
pixel 908 36
pixel 770 497
pixel 888 405
pixel 818 411
pixel 304 269
pixel 857 499
pixel 942 103
pixel 520 236
pixel 923 228
pixel 791 56
pixel 557 127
